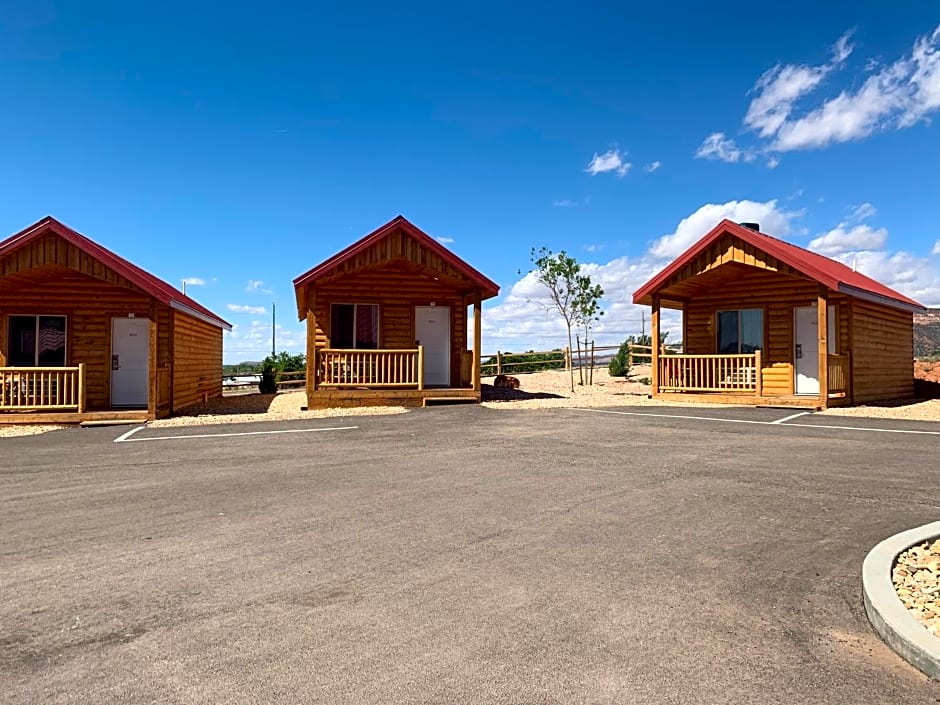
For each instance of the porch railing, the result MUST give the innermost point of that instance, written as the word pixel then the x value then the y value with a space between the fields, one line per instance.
pixel 710 373
pixel 370 368
pixel 838 375
pixel 42 388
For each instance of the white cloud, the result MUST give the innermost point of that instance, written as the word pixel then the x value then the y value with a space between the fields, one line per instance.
pixel 652 166
pixel 936 248
pixel 895 95
pixel 780 87
pixel 593 248
pixel 721 147
pixel 565 203
pixel 852 234
pixel 773 163
pixel 611 160
pixel 844 238
pixel 520 319
pixel 257 285
pixel 916 277
pixel 773 220
pixel 253 341
pixel 254 310
pixel 194 281
pixel 861 212
pixel 444 240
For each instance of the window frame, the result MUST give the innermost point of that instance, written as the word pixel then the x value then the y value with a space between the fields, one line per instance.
pixel 355 305
pixel 36 317
pixel 763 333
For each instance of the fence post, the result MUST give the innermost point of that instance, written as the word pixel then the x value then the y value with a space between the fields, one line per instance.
pixel 567 358
pixel 499 362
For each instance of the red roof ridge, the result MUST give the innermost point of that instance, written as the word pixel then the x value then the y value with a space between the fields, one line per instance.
pixel 156 287
pixel 826 271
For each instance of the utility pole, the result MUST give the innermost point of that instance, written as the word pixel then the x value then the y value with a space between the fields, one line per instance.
pixel 643 322
pixel 273 329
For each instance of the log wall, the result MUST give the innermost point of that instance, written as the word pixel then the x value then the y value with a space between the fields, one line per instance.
pixel 777 295
pixel 397 293
pixel 89 306
pixel 883 353
pixel 197 360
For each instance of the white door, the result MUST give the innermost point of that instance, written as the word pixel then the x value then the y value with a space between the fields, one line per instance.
pixel 806 346
pixel 130 361
pixel 432 330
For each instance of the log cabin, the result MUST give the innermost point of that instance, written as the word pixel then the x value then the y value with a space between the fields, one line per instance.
pixel 766 322
pixel 86 335
pixel 387 322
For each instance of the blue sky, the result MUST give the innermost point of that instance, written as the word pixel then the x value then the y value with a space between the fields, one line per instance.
pixel 240 144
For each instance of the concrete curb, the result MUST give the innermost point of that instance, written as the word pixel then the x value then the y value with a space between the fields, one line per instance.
pixel 887 614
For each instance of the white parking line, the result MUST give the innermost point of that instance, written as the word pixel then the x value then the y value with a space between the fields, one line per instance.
pixel 126 437
pixel 766 423
pixel 791 417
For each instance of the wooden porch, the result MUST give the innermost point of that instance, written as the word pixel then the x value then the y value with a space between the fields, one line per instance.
pixel 33 395
pixel 346 377
pixel 741 379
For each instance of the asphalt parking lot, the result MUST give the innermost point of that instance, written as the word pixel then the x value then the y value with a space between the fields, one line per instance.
pixel 459 555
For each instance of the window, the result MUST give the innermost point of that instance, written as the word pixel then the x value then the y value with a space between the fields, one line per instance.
pixel 36 341
pixel 740 331
pixel 354 326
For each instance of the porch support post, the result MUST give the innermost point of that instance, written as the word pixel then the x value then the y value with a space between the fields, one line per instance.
pixel 822 316
pixel 654 333
pixel 154 388
pixel 81 388
pixel 477 339
pixel 758 375
pixel 311 381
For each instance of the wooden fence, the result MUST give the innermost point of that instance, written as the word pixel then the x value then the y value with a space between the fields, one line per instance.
pixel 498 364
pixel 42 388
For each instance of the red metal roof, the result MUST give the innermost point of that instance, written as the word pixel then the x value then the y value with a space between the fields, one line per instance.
pixel 157 288
pixel 488 287
pixel 828 272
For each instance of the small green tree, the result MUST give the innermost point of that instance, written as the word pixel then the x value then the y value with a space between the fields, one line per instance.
pixel 620 363
pixel 570 293
pixel 587 312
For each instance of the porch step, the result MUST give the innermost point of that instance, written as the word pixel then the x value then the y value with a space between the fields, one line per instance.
pixel 429 401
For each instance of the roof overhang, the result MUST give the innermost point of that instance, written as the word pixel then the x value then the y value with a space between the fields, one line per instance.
pixel 146 282
pixel 487 287
pixel 827 272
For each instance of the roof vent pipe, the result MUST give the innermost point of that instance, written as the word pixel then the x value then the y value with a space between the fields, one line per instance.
pixel 751 226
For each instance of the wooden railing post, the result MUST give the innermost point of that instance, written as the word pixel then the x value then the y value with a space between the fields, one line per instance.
pixel 499 362
pixel 81 388
pixel 420 364
pixel 758 376
pixel 567 359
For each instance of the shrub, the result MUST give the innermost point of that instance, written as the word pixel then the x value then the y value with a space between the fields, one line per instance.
pixel 268 383
pixel 620 363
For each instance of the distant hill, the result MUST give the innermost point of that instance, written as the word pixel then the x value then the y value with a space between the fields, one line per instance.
pixel 927 333
pixel 240 367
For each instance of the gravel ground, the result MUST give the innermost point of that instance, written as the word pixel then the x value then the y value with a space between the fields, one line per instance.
pixel 552 389
pixel 244 408
pixel 26 430
pixel 917 581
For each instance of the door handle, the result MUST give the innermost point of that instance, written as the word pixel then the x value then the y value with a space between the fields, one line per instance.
pixel 799 351
pixel 115 362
